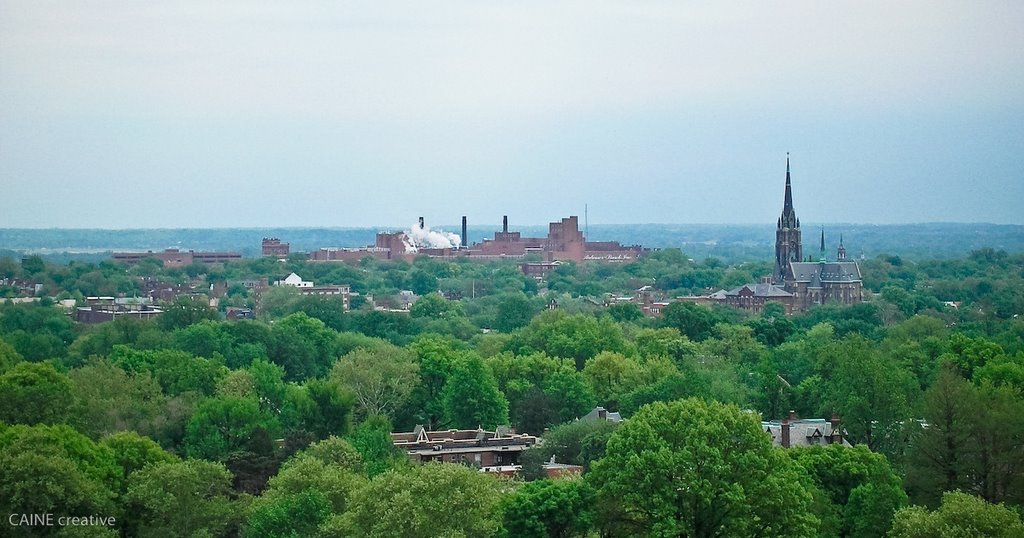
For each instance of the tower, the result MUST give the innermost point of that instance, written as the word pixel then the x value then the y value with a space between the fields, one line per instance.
pixel 841 254
pixel 788 246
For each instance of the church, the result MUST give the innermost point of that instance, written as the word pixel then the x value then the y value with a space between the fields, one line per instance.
pixel 811 282
pixel 798 282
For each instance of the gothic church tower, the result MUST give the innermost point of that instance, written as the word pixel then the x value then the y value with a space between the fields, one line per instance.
pixel 788 246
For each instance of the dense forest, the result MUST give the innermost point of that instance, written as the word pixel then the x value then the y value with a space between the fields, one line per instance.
pixel 193 425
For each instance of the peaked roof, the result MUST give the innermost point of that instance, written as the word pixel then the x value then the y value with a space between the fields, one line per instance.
pixel 817 272
pixel 761 290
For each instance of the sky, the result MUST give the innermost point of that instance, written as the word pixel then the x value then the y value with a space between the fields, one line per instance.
pixel 127 114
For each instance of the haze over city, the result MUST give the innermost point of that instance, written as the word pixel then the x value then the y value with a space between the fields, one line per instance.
pixel 230 114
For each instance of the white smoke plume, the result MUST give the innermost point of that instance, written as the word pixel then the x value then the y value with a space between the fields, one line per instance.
pixel 417 238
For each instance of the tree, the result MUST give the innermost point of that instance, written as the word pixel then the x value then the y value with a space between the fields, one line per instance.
pixel 941 454
pixel 625 312
pixel 692 320
pixel 288 516
pixel 48 468
pixel 331 410
pixel 304 346
pixel 546 508
pixel 377 452
pixel 432 306
pixel 185 311
pixel 133 452
pixel 696 468
pixel 862 489
pixel 869 392
pixel 176 371
pixel 471 397
pixel 960 514
pixel 514 311
pixel 381 379
pixel 188 498
pixel 224 425
pixel 303 495
pixel 8 356
pixel 35 393
pixel 576 443
pixel 609 375
pixel 578 337
pixel 108 400
pixel 406 503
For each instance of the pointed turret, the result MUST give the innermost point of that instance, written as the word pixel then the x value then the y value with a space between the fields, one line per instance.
pixel 841 254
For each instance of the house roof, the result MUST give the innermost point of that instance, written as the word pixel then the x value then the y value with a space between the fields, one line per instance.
pixel 802 432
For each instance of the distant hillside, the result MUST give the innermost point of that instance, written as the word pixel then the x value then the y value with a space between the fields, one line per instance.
pixel 729 242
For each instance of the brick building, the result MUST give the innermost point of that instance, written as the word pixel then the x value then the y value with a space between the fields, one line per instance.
pixel 273 247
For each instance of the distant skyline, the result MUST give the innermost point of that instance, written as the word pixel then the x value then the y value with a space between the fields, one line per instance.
pixel 121 114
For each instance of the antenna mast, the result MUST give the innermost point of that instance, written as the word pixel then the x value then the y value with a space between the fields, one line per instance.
pixel 586 223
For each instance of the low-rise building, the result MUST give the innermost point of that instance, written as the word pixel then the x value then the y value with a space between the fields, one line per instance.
pixel 173 257
pixel 490 451
pixel 103 309
pixel 753 297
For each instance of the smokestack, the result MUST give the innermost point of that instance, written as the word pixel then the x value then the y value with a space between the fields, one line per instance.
pixel 465 242
pixel 421 223
pixel 504 224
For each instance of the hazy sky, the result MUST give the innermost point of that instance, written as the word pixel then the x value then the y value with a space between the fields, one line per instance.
pixel 196 113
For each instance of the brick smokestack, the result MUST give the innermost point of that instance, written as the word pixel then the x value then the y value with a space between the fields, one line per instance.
pixel 465 238
pixel 421 223
pixel 785 428
pixel 504 224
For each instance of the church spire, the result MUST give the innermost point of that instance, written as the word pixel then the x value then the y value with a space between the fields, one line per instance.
pixel 788 246
pixel 787 207
pixel 841 254
pixel 823 244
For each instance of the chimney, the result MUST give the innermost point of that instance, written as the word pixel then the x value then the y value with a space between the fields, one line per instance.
pixel 837 432
pixel 504 224
pixel 465 238
pixel 602 413
pixel 785 428
pixel 421 223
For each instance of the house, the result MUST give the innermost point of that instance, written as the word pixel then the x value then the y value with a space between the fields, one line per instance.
pixel 294 280
pixel 491 451
pixel 796 432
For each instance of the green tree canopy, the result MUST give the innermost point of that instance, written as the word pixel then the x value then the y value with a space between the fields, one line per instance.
pixel 959 515
pixel 471 397
pixel 187 498
pixel 407 503
pixel 546 508
pixel 381 379
pixel 696 468
pixel 34 393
